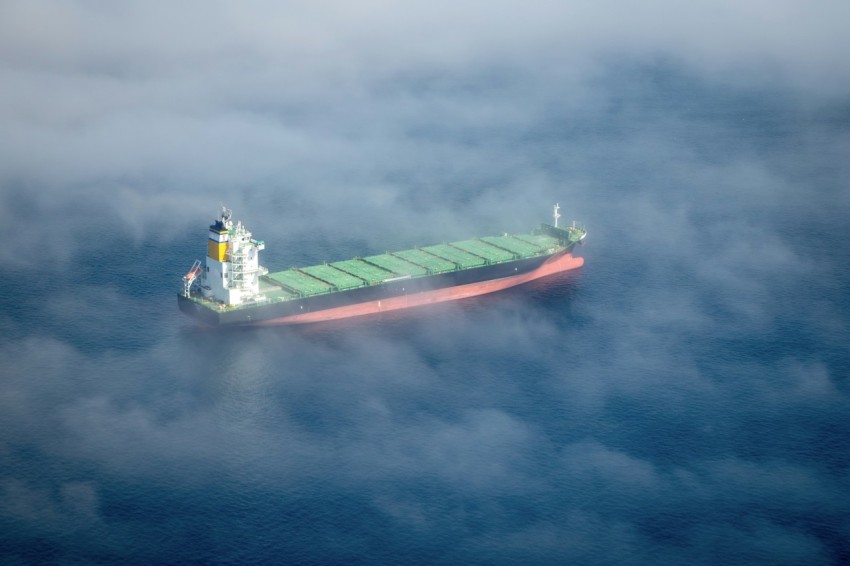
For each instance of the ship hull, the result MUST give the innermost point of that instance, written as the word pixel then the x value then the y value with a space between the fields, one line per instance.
pixel 402 294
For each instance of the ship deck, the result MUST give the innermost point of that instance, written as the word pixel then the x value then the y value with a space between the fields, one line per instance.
pixel 416 262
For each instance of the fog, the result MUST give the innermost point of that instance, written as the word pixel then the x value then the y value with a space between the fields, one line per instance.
pixel 681 398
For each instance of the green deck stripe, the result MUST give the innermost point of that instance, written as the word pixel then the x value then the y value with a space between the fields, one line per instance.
pixel 300 282
pixel 484 249
pixel 334 277
pixel 366 271
pixel 463 258
pixel 396 265
pixel 541 240
pixel 349 274
pixel 274 289
pixel 510 243
pixel 432 263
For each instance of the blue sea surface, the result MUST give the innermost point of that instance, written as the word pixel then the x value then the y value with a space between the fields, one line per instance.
pixel 682 398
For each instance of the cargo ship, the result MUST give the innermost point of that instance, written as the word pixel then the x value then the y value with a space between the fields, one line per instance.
pixel 230 287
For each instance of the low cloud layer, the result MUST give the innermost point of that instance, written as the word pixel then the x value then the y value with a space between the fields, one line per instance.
pixel 681 399
pixel 129 113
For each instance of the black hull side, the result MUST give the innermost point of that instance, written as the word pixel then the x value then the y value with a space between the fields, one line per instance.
pixel 197 310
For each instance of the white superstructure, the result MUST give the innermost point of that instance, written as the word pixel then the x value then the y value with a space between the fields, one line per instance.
pixel 232 270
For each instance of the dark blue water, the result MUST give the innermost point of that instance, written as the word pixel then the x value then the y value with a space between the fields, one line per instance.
pixel 683 398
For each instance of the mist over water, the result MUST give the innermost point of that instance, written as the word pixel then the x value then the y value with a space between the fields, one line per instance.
pixel 682 398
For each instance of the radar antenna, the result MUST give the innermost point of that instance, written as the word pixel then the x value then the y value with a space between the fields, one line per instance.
pixel 555 214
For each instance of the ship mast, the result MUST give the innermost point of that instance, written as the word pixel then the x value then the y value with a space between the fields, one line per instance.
pixel 555 214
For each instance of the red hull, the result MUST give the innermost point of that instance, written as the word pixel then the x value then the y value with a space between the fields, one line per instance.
pixel 555 264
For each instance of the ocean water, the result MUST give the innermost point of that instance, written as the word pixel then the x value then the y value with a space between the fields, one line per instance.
pixel 682 398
